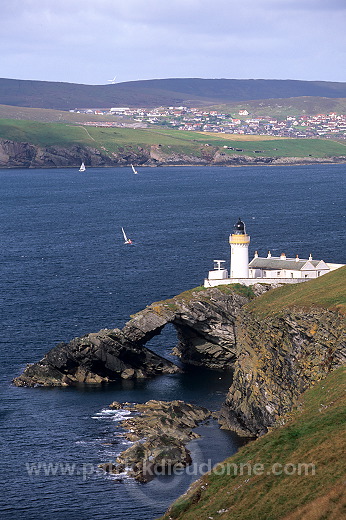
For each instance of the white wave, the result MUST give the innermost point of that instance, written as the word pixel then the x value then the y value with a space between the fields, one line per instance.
pixel 118 476
pixel 86 443
pixel 114 415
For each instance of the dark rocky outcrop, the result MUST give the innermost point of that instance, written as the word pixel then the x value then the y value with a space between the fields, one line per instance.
pixel 96 358
pixel 160 431
pixel 205 321
pixel 25 155
pixel 205 324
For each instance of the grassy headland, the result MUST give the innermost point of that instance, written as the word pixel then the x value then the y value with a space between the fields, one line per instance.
pixel 122 140
pixel 297 470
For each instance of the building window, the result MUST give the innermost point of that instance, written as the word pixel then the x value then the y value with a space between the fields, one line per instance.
pixel 319 273
pixel 278 273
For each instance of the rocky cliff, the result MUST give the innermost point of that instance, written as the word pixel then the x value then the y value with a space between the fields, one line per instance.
pixel 277 360
pixel 287 340
pixel 278 341
pixel 25 155
pixel 294 472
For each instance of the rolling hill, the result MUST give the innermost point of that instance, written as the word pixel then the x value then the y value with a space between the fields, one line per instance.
pixel 157 92
pixel 125 140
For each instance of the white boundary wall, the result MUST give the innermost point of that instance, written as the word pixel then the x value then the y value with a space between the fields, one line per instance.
pixel 252 281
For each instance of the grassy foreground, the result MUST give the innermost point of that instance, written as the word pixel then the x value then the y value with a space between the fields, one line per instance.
pixel 120 140
pixel 328 291
pixel 292 473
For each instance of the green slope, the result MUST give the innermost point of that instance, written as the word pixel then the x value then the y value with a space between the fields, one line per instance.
pixel 328 291
pixel 122 139
pixel 292 473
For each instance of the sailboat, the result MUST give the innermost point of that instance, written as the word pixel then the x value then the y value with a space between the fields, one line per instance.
pixel 82 167
pixel 126 240
pixel 134 169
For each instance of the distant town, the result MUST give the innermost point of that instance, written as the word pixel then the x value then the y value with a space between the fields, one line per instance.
pixel 203 120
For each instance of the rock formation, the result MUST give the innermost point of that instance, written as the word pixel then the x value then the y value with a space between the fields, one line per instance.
pixel 205 324
pixel 275 356
pixel 96 358
pixel 160 430
pixel 205 321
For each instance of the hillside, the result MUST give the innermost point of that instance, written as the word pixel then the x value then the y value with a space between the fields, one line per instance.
pixel 290 365
pixel 300 468
pixel 49 115
pixel 328 291
pixel 66 145
pixel 159 92
pixel 275 108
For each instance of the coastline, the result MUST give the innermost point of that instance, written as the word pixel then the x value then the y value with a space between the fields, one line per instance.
pixel 15 155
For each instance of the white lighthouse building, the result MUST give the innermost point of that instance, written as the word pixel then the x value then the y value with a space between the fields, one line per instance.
pixel 239 242
pixel 268 269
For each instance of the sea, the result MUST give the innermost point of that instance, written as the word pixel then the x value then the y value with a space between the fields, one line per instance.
pixel 65 272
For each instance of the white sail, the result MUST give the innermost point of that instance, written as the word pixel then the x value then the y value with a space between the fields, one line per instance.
pixel 82 167
pixel 134 169
pixel 126 240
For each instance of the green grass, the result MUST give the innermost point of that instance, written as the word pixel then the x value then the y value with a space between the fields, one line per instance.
pixel 328 291
pixel 293 148
pixel 48 115
pixel 43 134
pixel 314 434
pixel 237 288
pixel 115 140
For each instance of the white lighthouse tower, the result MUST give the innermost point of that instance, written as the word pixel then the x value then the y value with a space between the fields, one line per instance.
pixel 239 242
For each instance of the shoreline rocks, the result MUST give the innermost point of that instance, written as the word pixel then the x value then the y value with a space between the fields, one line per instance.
pixel 95 358
pixel 160 431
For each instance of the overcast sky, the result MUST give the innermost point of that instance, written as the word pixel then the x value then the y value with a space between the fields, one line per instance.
pixel 92 41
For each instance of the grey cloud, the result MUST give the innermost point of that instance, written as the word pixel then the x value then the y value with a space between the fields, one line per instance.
pixel 82 40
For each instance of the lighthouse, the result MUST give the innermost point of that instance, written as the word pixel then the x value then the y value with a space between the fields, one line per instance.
pixel 269 270
pixel 239 242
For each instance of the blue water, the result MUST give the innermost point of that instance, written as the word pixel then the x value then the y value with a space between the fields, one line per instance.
pixel 66 272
